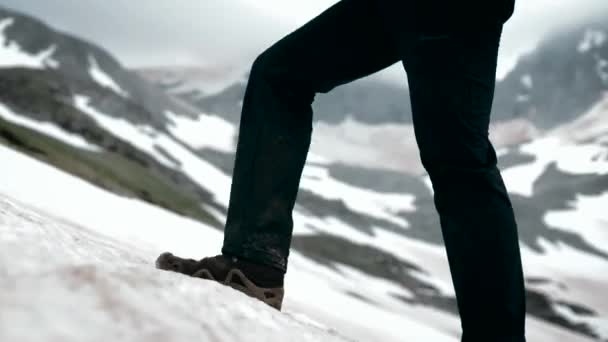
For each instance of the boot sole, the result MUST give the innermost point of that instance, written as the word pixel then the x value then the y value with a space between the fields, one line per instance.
pixel 238 281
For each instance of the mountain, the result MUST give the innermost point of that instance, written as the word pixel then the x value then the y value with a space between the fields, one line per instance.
pixel 370 100
pixel 50 78
pixel 563 77
pixel 355 223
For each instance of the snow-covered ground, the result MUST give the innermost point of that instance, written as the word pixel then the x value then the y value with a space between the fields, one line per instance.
pixel 11 54
pixel 393 146
pixel 74 270
pixel 118 238
pixel 315 178
pixel 149 231
pixel 103 79
pixel 46 128
pixel 62 282
pixel 576 148
pixel 197 79
pixel 207 131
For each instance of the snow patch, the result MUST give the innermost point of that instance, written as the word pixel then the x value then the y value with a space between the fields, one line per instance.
pixel 48 129
pixel 386 206
pixel 207 131
pixel 599 324
pixel 591 126
pixel 512 132
pixel 521 98
pixel 572 276
pixel 602 69
pixel 146 138
pixel 383 146
pixel 429 184
pixel 103 79
pixel 123 129
pixel 393 146
pixel 12 56
pixel 586 217
pixel 526 81
pixel 110 292
pixel 430 258
pixel 591 39
pixel 568 157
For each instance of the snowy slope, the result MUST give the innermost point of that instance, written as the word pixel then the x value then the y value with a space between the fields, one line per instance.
pixel 12 55
pixel 73 284
pixel 68 259
pixel 115 247
pixel 563 282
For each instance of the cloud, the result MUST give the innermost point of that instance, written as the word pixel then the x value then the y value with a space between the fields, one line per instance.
pixel 534 19
pixel 142 33
pixel 160 32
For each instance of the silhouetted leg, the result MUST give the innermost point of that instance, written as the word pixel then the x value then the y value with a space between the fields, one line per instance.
pixel 452 79
pixel 342 44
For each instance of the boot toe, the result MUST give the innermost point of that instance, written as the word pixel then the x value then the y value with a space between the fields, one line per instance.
pixel 166 261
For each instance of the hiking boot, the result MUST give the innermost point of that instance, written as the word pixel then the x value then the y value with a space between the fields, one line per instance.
pixel 258 281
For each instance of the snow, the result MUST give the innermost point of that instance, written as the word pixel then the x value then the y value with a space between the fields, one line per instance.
pixel 314 158
pixel 315 178
pixel 386 206
pixel 586 217
pixel 137 232
pixel 600 324
pixel 590 126
pixel 431 259
pixel 393 146
pixel 602 69
pixel 46 128
pixel 568 157
pixel 591 39
pixel 75 285
pixel 138 136
pixel 429 184
pixel 575 148
pixel 146 138
pixel 103 79
pixel 88 274
pixel 201 80
pixel 52 191
pixel 572 277
pixel 381 146
pixel 526 81
pixel 511 132
pixel 207 131
pixel 12 56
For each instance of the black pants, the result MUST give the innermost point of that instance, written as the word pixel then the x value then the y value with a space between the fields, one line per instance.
pixel 451 74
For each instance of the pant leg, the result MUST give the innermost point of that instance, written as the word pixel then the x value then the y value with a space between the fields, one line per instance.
pixel 452 78
pixel 342 44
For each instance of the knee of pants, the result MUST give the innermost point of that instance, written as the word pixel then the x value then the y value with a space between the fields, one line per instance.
pixel 285 78
pixel 457 158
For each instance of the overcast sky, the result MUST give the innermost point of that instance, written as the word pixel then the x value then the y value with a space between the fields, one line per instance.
pixel 232 32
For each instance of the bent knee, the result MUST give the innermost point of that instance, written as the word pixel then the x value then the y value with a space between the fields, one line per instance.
pixel 458 159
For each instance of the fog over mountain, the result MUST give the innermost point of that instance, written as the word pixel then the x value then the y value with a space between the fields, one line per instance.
pixel 230 33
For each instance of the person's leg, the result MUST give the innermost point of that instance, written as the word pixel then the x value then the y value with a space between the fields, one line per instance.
pixel 344 43
pixel 452 78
